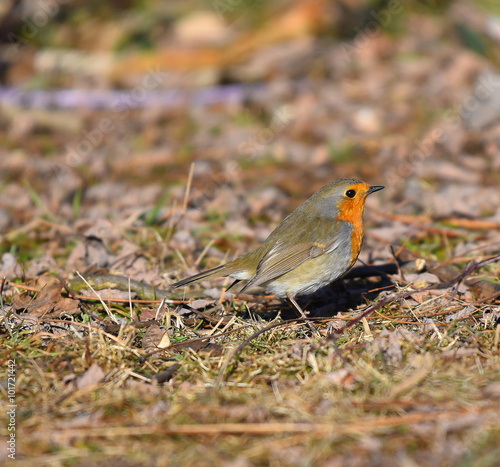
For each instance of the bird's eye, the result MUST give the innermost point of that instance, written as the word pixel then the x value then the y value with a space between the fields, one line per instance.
pixel 350 193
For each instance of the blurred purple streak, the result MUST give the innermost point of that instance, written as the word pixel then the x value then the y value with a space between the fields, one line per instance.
pixel 125 99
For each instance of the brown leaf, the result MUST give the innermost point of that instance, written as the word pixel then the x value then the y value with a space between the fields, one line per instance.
pixel 155 338
pixel 67 306
pixel 21 301
pixel 387 343
pixel 241 413
pixel 90 251
pixel 92 376
pixel 45 301
pixel 482 288
pixel 343 377
pixel 82 420
pixel 48 303
pixel 148 314
pixel 143 389
pixel 492 390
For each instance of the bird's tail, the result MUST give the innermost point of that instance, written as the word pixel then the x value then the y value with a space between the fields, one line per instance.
pixel 219 271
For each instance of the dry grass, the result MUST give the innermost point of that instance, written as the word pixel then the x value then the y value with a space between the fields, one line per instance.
pixel 384 392
pixel 415 383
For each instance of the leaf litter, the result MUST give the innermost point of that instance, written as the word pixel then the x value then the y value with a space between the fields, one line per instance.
pixel 405 369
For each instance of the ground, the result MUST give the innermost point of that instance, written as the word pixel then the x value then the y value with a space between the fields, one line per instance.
pixel 142 142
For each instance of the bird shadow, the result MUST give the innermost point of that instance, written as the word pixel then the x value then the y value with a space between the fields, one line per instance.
pixel 360 286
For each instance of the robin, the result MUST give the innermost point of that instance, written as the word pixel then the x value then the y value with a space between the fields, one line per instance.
pixel 312 247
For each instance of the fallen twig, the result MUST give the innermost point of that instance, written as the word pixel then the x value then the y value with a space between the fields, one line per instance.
pixel 256 429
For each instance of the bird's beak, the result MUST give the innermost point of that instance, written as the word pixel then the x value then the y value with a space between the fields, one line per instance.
pixel 375 188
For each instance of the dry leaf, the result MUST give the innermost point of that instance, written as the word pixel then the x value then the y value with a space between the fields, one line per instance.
pixel 91 377
pixel 83 420
pixel 343 377
pixel 48 303
pixel 387 343
pixel 156 337
pixel 492 390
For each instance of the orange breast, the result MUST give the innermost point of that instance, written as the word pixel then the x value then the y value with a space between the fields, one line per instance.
pixel 356 243
pixel 351 210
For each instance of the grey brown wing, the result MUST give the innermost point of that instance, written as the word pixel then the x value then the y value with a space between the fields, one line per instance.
pixel 284 257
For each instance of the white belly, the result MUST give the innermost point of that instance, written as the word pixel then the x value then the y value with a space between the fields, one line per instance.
pixel 311 275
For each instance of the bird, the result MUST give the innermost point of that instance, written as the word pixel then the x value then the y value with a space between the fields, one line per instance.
pixel 316 244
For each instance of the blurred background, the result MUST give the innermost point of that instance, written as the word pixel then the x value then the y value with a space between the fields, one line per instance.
pixel 104 106
pixel 150 139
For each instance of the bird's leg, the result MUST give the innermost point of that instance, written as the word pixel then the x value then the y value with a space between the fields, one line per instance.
pixel 296 306
pixel 300 312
